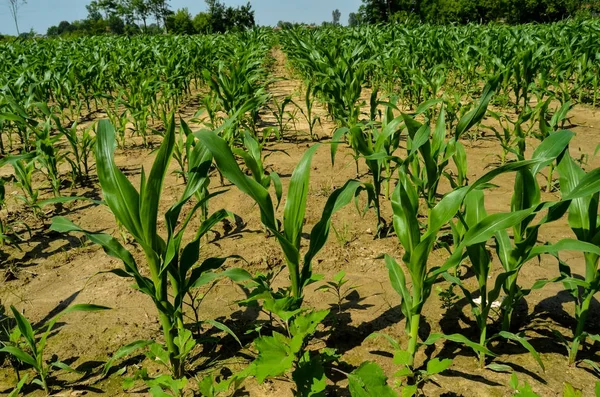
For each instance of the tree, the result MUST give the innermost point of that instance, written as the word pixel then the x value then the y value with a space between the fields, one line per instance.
pixel 160 9
pixel 96 7
pixel 201 23
pixel 336 16
pixel 223 19
pixel 14 6
pixel 141 10
pixel 181 22
pixel 353 19
pixel 64 27
pixel 116 24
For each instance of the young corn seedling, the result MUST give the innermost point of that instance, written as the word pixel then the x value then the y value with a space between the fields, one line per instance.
pixel 181 150
pixel 582 188
pixel 279 113
pixel 549 127
pixel 29 345
pixel 418 246
pixel 80 151
pixel 427 170
pixel 512 137
pixel 173 270
pixel 377 147
pixel 308 112
pixel 475 216
pixel 514 254
pixel 289 238
pixel 24 168
pixel 254 160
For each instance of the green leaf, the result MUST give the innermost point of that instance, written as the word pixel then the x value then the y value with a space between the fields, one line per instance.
pixel 26 329
pixel 436 366
pixel 499 367
pixel 458 338
pixel 295 204
pixel 551 147
pixel 21 356
pixel 409 390
pixel 570 391
pixel 398 281
pixel 320 232
pixel 309 376
pixel 475 115
pixel 275 357
pixel 125 351
pixel 119 193
pixel 306 324
pixel 525 344
pixel 402 357
pixel 491 224
pixel 368 380
pixel 224 328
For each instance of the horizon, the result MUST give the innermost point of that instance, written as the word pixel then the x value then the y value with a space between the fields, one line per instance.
pixel 39 15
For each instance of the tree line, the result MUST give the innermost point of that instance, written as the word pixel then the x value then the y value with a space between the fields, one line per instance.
pixel 465 11
pixel 153 17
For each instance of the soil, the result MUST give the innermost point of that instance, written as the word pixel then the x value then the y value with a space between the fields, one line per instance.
pixel 55 270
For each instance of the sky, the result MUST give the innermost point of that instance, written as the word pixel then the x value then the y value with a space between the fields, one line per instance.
pixel 41 14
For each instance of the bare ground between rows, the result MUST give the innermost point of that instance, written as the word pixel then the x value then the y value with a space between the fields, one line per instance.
pixel 57 271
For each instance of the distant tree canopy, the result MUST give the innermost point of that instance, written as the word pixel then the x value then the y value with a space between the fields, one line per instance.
pixel 336 15
pixel 155 16
pixel 464 11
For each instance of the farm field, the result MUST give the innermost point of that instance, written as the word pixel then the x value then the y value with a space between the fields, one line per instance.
pixel 466 155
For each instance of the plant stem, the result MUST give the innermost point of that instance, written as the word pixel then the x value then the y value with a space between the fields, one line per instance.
pixel 482 339
pixel 581 320
pixel 414 335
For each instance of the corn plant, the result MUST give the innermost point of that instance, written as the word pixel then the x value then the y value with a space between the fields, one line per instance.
pixel 254 160
pixel 583 220
pixel 376 146
pixel 474 217
pixel 29 345
pixel 80 151
pixel 279 113
pixel 419 244
pixel 512 137
pixel 300 272
pixel 172 270
pixel 238 86
pixel 513 255
pixel 427 170
pixel 548 127
pixel 308 110
pixel 48 156
pixel 24 168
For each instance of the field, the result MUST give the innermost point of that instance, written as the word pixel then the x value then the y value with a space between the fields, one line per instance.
pixel 387 210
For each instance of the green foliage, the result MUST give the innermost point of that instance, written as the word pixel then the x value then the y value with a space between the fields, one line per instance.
pixel 28 345
pixel 336 288
pixel 173 271
pixel 279 354
pixel 465 11
pixel 289 236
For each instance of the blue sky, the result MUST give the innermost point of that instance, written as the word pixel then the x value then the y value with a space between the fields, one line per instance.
pixel 41 14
